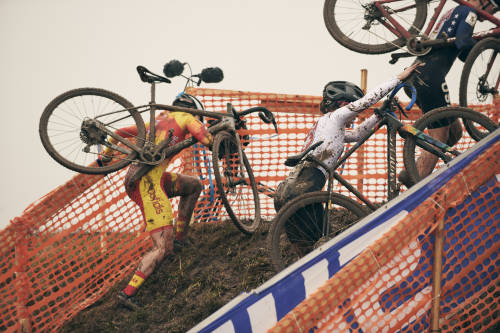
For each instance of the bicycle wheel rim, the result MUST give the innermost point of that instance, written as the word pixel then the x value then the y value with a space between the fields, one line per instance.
pixel 60 129
pixel 480 78
pixel 348 21
pixel 236 186
pixel 297 229
pixel 412 153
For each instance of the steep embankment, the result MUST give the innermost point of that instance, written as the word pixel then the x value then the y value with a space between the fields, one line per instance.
pixel 186 288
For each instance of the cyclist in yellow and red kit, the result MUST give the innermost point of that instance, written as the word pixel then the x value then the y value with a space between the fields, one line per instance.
pixel 153 190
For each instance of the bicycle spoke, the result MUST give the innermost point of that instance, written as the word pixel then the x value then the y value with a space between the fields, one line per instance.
pixel 76 144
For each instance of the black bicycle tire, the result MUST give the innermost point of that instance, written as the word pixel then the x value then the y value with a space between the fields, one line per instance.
pixel 340 37
pixel 290 208
pixel 477 50
pixel 92 169
pixel 245 228
pixel 435 116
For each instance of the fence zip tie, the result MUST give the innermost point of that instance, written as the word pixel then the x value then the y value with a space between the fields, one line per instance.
pixel 438 204
pixel 374 257
pixel 296 321
pixel 465 182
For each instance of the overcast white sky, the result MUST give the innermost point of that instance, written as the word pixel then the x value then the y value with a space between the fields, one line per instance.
pixel 51 46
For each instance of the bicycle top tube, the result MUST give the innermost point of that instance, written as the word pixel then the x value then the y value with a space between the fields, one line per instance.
pixel 218 115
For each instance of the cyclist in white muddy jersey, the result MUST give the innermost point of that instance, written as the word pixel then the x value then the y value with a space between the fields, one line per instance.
pixel 342 102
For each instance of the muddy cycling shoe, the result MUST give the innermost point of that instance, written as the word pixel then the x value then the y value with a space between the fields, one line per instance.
pixel 404 178
pixel 128 302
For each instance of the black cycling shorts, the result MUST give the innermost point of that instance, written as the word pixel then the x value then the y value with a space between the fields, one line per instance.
pixel 430 83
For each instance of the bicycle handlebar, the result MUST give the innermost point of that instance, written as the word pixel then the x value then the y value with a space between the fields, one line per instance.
pixel 413 94
pixel 264 113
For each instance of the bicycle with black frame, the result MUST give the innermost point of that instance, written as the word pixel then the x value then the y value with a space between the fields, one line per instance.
pixel 302 225
pixel 77 126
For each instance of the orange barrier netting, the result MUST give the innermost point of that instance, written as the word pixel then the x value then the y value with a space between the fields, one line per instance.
pixel 387 287
pixel 67 249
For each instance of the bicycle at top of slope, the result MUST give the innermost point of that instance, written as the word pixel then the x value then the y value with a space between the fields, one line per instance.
pixel 381 26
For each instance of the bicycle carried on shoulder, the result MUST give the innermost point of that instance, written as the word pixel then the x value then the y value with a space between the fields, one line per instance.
pixel 76 127
pixel 311 219
pixel 381 26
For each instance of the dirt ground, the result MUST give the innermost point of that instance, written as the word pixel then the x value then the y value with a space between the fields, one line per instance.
pixel 185 289
pixel 220 264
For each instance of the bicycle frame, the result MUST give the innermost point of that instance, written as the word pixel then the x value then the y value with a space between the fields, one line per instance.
pixel 398 30
pixel 393 125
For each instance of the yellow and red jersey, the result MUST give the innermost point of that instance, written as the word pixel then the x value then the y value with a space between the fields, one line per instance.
pixel 183 124
pixel 149 191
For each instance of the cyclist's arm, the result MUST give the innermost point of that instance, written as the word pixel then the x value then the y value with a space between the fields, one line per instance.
pixel 361 130
pixel 125 132
pixel 373 96
pixel 351 110
pixel 464 41
pixel 199 131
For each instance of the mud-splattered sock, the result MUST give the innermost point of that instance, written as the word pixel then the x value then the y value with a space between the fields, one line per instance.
pixel 134 283
pixel 180 230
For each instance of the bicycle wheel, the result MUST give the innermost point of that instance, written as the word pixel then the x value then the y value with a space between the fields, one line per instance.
pixel 411 152
pixel 235 183
pixel 480 79
pixel 76 148
pixel 297 228
pixel 360 26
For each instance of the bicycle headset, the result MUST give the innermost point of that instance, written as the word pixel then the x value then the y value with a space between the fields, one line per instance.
pixel 338 93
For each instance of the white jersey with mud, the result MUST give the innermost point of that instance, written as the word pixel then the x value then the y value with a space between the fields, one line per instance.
pixel 331 127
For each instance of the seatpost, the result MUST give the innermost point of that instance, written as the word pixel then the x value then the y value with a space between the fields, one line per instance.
pixel 152 111
pixel 326 217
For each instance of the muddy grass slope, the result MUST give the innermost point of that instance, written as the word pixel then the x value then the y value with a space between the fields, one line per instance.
pixel 220 264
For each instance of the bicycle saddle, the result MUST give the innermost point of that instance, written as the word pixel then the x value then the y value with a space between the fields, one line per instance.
pixel 149 77
pixel 293 160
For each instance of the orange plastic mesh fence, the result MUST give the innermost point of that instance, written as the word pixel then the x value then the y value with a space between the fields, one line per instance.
pixel 68 248
pixel 387 287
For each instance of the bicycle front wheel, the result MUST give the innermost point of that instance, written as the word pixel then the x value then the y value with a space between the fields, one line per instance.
pixel 480 79
pixel 361 27
pixel 417 159
pixel 77 148
pixel 235 183
pixel 297 229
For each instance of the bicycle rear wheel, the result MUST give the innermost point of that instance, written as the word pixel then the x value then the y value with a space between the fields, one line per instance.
pixel 412 152
pixel 64 138
pixel 297 228
pixel 235 183
pixel 359 25
pixel 480 79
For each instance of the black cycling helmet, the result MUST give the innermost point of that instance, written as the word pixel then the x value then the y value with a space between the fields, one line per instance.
pixel 338 93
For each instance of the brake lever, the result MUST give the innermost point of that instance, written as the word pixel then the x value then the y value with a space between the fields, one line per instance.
pixel 401 110
pixel 268 118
